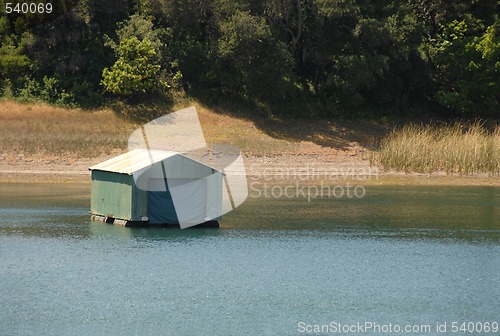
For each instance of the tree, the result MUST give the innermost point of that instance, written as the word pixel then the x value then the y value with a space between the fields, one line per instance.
pixel 13 62
pixel 250 61
pixel 135 72
pixel 468 69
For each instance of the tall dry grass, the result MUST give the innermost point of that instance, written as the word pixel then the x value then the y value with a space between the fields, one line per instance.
pixel 455 149
pixel 39 129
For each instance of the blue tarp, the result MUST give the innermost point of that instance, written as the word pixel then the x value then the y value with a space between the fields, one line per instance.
pixel 190 199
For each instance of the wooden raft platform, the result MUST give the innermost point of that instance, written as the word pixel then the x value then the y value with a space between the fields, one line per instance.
pixel 127 223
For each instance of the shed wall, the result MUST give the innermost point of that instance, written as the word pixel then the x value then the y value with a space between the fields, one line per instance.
pixel 111 194
pixel 139 203
pixel 214 189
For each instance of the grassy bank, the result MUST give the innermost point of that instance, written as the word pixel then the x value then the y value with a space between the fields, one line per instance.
pixel 454 149
pixel 64 138
pixel 40 130
pixel 31 130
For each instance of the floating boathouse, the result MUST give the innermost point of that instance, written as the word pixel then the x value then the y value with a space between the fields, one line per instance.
pixel 153 187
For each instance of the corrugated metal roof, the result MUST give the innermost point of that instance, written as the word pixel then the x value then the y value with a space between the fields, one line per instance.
pixel 133 161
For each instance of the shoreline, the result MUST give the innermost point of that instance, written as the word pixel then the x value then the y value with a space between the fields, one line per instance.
pixel 286 169
pixel 59 145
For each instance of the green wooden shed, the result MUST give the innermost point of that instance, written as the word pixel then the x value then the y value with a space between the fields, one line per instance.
pixel 157 188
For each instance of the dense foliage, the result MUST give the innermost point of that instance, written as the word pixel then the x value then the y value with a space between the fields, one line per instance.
pixel 310 57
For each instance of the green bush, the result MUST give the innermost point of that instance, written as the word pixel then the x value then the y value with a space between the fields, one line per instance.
pixel 469 76
pixel 49 90
pixel 135 72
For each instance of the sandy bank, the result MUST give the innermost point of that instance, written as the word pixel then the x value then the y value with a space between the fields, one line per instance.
pixel 302 169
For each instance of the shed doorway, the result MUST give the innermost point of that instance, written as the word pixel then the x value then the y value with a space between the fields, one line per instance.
pixel 188 194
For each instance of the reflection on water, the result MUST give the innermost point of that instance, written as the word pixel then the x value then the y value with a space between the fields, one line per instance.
pixel 398 255
pixel 468 213
pixel 59 209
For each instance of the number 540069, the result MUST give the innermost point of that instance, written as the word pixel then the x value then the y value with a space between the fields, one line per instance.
pixel 28 7
pixel 474 327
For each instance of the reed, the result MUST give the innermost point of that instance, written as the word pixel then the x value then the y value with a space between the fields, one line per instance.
pixel 463 149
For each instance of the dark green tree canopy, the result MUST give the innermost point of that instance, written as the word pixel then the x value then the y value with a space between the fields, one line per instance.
pixel 311 57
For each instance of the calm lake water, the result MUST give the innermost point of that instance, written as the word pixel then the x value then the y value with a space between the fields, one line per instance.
pixel 400 255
